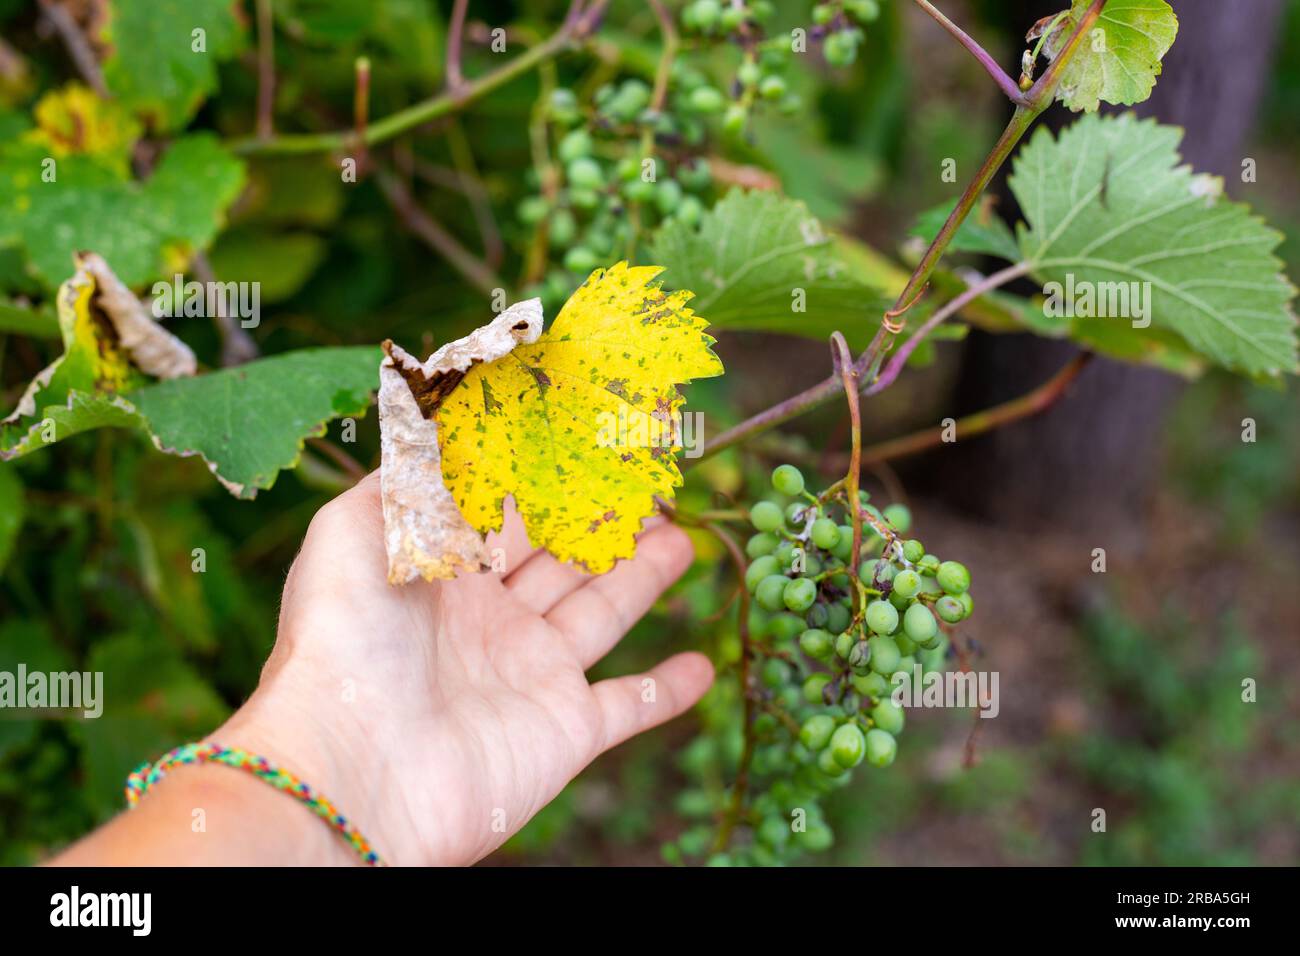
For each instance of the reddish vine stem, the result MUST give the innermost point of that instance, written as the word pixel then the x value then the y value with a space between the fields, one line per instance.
pixel 741 785
pixel 1004 82
pixel 455 30
pixel 849 378
pixel 361 111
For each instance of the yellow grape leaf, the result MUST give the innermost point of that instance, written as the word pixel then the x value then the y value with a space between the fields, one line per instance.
pixel 581 426
pixel 74 120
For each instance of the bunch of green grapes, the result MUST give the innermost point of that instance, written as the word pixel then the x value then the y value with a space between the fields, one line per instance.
pixel 838 24
pixel 830 633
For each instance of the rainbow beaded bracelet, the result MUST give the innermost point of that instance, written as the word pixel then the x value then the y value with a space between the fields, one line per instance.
pixel 147 774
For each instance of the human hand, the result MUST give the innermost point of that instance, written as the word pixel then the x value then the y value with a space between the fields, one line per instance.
pixel 440 717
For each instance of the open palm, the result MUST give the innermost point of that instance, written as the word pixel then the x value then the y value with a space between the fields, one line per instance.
pixel 449 713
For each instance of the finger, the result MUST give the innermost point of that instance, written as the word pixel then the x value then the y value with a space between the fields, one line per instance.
pixel 543 582
pixel 598 614
pixel 512 539
pixel 637 702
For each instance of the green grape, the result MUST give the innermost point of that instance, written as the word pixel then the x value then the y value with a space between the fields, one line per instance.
pixel 796 513
pixel 799 594
pixel 841 580
pixel 707 13
pixel 769 595
pixel 638 190
pixel 837 617
pixel 848 746
pixel 785 551
pixel 563 106
pixel 817 644
pixel 913 550
pixel 816 839
pixel 732 18
pixel 759 622
pixel 844 545
pixel 882 617
pixel 899 601
pixel 765 724
pixel 762 9
pixel 881 747
pixel 863 11
pixel 720 859
pixel 928 565
pixel 827 763
pixel 860 657
pixel 766 516
pixel 840 49
pixel 786 626
pixel 825 534
pixel 844 643
pixel 884 655
pixel 788 480
pixel 580 259
pixel 967 602
pixel 628 169
pixel 585 173
pixel 668 195
pixel 689 211
pixel 900 516
pixel 907 583
pixel 760 568
pixel 585 199
pixel 823 14
pixel 953 577
pixel 760 544
pixel 919 624
pixel 748 73
pixel 950 609
pixel 598 241
pixel 575 145
pixel 906 664
pixel 905 644
pixel 935 658
pixel 816 731
pixel 814 687
pixel 775 672
pixel 562 229
pixel 812 565
pixel 706 99
pixel 735 120
pixel 870 685
pixel 532 210
pixel 888 716
pixel 773 831
pixel 788 697
pixel 772 88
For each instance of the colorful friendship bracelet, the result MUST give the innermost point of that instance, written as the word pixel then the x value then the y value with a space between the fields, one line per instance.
pixel 138 783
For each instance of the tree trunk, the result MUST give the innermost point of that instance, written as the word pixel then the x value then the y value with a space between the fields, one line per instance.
pixel 1089 462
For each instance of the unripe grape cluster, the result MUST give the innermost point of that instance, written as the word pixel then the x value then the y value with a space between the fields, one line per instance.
pixel 828 633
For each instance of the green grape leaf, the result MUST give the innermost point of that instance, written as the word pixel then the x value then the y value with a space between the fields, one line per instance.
pixel 248 423
pixel 163 54
pixel 139 228
pixel 1111 211
pixel 983 233
pixel 1119 60
pixel 759 262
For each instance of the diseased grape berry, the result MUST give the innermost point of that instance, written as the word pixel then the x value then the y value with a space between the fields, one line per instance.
pixel 949 609
pixel 818 615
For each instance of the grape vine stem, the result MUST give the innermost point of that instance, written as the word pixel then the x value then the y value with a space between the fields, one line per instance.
pixel 1004 81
